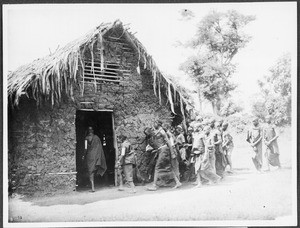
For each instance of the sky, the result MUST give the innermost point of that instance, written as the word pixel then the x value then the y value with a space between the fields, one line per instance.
pixel 32 31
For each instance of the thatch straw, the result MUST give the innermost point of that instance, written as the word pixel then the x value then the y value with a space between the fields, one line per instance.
pixel 57 73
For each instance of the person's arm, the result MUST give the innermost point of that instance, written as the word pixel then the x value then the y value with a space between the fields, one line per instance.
pixel 122 155
pixel 219 139
pixel 85 149
pixel 167 140
pixel 275 137
pixel 225 143
pixel 258 140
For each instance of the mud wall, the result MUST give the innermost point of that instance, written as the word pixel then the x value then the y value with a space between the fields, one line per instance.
pixel 42 141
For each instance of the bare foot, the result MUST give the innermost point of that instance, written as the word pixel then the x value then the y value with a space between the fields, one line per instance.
pixel 92 191
pixel 152 188
pixel 121 189
pixel 177 185
pixel 132 191
pixel 198 186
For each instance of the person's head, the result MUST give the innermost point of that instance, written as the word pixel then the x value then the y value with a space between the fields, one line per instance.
pixel 179 129
pixel 148 131
pixel 212 123
pixel 255 122
pixel 224 126
pixel 198 127
pixel 157 124
pixel 268 119
pixel 219 123
pixel 199 119
pixel 172 129
pixel 90 130
pixel 122 138
pixel 206 130
pixel 190 130
pixel 166 127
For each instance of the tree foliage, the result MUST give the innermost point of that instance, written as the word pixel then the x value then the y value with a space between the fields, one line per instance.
pixel 276 92
pixel 229 108
pixel 218 38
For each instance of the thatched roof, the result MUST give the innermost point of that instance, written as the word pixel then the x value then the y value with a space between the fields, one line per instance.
pixel 57 73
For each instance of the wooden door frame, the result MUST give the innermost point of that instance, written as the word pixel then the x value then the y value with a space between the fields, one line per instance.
pixel 116 148
pixel 114 136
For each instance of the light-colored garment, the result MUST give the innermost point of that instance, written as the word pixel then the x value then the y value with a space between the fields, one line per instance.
pixel 272 149
pixel 253 135
pixel 180 141
pixel 128 153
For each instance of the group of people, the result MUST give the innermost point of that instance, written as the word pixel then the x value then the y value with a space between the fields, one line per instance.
pixel 199 155
pixel 258 135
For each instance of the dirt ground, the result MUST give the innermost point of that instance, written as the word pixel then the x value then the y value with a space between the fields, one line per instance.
pixel 243 195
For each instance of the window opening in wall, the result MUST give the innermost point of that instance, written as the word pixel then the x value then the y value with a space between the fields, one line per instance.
pixel 109 75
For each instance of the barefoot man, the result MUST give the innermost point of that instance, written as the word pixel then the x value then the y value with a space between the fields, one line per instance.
pixel 94 156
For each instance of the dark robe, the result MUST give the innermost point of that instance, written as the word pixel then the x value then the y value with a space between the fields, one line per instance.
pixel 163 165
pixel 220 157
pixel 95 157
pixel 272 149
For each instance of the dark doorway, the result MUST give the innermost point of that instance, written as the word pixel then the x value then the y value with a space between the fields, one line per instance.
pixel 102 123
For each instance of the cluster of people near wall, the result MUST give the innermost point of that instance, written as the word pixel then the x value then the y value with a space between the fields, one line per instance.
pixel 199 153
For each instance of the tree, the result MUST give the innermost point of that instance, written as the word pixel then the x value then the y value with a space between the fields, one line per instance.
pixel 276 90
pixel 229 108
pixel 219 38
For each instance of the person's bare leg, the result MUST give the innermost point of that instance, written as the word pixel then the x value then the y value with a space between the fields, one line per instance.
pixel 199 184
pixel 178 184
pixel 154 187
pixel 132 186
pixel 92 182
pixel 121 188
pixel 268 163
pixel 230 162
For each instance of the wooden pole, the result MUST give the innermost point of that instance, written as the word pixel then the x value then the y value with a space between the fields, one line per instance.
pixel 116 148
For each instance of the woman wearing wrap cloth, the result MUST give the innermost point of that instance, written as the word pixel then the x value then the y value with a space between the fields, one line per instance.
pixel 162 145
pixel 220 157
pixel 254 137
pixel 227 145
pixel 270 140
pixel 202 148
pixel 94 155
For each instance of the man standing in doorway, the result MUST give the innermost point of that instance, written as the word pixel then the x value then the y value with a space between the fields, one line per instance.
pixel 94 156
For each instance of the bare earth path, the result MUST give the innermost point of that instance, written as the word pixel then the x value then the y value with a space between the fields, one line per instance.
pixel 244 195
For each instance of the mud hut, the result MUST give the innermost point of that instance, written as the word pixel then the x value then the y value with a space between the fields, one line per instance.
pixel 105 79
